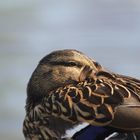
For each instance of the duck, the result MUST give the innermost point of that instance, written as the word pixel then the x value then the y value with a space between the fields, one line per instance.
pixel 68 89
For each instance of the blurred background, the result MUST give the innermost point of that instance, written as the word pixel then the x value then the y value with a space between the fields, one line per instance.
pixel 106 30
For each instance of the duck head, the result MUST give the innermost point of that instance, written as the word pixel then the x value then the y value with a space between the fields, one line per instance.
pixel 57 69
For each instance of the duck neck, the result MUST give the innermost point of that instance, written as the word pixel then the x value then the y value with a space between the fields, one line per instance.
pixel 38 130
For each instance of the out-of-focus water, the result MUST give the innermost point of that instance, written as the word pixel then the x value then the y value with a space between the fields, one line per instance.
pixel 108 31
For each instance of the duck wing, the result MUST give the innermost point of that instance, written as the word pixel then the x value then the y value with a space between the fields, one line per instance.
pixel 93 100
pixel 127 115
pixel 101 99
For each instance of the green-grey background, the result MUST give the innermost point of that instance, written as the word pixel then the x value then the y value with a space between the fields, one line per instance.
pixel 106 30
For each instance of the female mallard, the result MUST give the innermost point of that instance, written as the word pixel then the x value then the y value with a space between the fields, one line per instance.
pixel 67 89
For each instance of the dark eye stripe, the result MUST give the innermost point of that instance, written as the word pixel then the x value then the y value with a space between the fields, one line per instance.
pixel 70 64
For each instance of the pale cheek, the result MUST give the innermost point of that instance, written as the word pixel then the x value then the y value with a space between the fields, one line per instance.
pixel 74 73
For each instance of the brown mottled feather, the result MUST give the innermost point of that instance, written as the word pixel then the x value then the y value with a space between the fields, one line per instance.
pixel 93 100
pixel 98 98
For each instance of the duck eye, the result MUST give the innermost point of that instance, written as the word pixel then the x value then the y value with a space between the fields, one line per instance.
pixel 71 64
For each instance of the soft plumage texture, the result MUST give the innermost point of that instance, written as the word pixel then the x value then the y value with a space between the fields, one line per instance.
pixel 93 95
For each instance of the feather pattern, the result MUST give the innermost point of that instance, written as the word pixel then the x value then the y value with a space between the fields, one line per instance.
pixel 93 100
pixel 89 94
